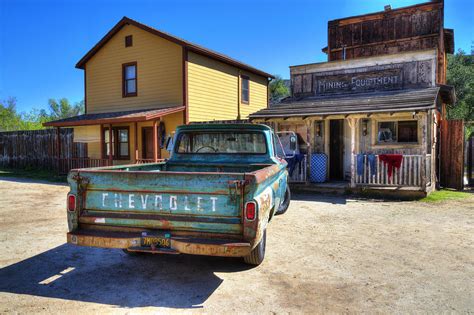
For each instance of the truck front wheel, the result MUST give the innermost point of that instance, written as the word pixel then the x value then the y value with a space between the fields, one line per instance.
pixel 286 202
pixel 258 253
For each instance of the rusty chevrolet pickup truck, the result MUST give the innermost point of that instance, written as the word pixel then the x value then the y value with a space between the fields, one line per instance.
pixel 215 196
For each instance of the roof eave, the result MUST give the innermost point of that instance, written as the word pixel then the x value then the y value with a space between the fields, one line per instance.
pixel 89 122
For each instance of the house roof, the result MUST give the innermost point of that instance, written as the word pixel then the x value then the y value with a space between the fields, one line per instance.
pixel 114 117
pixel 184 43
pixel 393 101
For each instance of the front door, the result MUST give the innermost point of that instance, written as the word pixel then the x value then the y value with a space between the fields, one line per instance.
pixel 147 141
pixel 336 149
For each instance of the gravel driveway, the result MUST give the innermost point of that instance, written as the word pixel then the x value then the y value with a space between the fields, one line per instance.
pixel 326 254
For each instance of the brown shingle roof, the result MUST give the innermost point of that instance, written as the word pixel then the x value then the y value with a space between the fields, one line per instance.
pixel 114 117
pixel 186 44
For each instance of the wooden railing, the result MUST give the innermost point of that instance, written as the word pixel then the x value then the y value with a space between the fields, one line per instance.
pixel 415 171
pixel 144 161
pixel 65 165
pixel 299 173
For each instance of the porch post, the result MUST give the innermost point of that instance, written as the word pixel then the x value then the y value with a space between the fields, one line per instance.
pixel 155 140
pixel 102 141
pixel 111 157
pixel 353 124
pixel 58 144
pixel 135 129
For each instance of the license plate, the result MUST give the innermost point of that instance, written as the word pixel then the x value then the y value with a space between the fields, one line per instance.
pixel 156 241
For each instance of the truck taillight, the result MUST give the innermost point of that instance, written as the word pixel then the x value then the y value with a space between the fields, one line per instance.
pixel 71 203
pixel 250 210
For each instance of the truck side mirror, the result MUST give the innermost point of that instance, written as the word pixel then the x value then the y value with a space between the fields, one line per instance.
pixel 293 142
pixel 169 144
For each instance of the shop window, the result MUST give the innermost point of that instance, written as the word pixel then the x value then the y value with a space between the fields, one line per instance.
pixel 398 131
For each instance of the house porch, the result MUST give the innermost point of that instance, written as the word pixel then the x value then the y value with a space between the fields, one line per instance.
pixel 120 137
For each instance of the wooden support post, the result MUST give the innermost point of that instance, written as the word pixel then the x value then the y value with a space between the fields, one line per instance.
pixel 102 141
pixel 135 130
pixel 58 144
pixel 353 124
pixel 111 157
pixel 155 140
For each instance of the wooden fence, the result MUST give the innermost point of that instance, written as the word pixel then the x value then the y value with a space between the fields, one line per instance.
pixel 38 148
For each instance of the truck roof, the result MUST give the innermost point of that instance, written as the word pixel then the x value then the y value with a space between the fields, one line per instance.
pixel 229 126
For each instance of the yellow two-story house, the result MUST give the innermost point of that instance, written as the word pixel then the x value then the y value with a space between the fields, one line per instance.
pixel 140 83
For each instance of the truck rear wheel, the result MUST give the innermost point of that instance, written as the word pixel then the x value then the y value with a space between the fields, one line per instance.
pixel 286 203
pixel 130 253
pixel 258 253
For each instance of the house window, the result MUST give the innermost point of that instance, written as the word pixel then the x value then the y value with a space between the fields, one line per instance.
pixel 244 89
pixel 398 131
pixel 129 41
pixel 120 143
pixel 129 79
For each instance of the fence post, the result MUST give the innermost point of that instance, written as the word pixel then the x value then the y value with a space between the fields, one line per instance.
pixel 58 145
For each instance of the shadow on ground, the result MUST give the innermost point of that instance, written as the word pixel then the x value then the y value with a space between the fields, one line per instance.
pixel 109 276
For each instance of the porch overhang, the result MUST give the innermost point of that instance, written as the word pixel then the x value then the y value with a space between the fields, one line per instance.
pixel 115 117
pixel 375 102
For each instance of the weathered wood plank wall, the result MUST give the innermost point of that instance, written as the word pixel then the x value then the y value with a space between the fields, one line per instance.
pixel 38 148
pixel 392 31
pixel 452 157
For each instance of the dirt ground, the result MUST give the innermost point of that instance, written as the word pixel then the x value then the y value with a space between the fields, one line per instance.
pixel 326 254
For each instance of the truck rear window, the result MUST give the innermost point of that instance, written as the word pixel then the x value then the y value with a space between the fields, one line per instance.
pixel 221 143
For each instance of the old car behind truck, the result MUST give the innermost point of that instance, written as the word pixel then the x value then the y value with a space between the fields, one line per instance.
pixel 215 196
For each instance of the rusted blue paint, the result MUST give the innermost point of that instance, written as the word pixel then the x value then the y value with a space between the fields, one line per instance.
pixel 196 193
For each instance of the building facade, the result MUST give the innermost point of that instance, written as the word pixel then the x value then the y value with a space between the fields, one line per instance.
pixel 370 116
pixel 140 83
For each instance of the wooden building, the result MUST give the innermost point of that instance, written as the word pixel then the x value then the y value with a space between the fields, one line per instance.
pixel 140 83
pixel 381 92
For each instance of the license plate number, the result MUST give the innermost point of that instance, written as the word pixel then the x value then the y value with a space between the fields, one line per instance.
pixel 156 241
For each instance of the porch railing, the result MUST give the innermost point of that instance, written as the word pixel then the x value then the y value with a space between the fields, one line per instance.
pixel 415 171
pixel 145 161
pixel 299 173
pixel 67 164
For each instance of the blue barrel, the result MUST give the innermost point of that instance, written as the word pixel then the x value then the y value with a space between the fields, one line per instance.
pixel 319 163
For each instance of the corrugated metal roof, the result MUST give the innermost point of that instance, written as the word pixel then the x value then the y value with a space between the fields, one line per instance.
pixel 115 117
pixel 393 101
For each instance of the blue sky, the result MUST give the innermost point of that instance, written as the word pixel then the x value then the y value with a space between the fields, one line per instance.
pixel 41 41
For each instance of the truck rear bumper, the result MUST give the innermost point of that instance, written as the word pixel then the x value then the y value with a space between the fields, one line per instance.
pixel 178 245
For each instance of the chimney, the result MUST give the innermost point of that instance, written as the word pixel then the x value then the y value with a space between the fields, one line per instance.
pixel 388 7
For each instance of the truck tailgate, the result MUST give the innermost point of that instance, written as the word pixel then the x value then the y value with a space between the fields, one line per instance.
pixel 182 201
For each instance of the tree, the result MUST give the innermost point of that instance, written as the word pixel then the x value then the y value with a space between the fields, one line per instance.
pixel 62 108
pixel 11 120
pixel 278 89
pixel 460 74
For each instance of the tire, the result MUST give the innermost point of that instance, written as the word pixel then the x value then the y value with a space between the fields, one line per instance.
pixel 286 203
pixel 258 253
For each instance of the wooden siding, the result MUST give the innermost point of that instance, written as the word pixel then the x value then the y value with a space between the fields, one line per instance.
pixel 214 87
pixel 405 29
pixel 258 95
pixel 159 73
